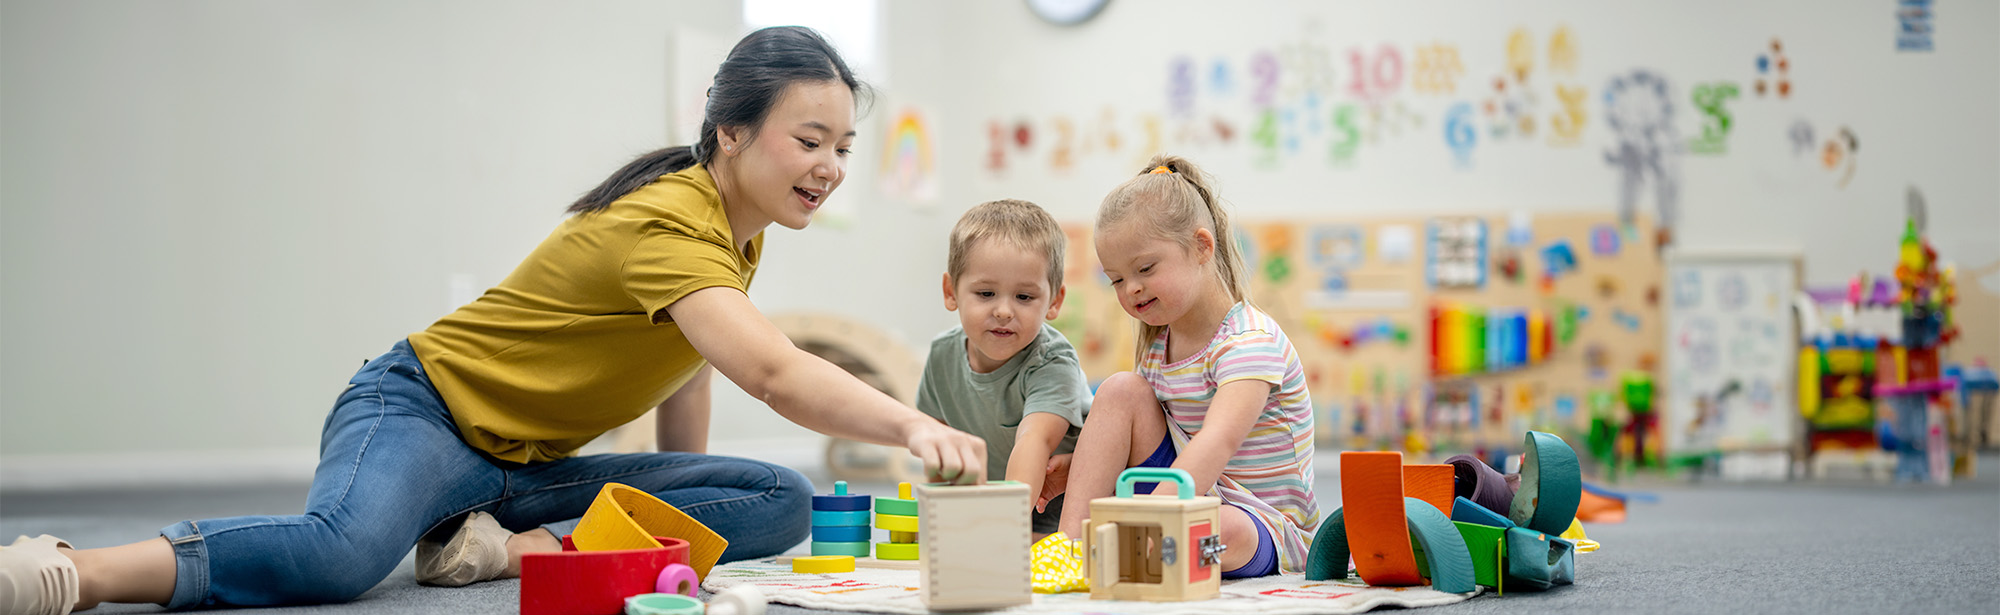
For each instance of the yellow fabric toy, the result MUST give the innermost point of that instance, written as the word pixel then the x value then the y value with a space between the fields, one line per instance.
pixel 1575 535
pixel 1057 566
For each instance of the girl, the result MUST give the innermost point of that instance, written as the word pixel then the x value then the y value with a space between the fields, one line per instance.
pixel 468 427
pixel 1219 391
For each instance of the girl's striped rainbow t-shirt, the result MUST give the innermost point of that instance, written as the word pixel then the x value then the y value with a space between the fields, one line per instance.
pixel 1271 473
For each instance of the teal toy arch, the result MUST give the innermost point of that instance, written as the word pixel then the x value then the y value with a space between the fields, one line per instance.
pixel 1450 561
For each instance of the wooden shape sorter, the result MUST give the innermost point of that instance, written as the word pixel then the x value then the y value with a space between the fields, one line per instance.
pixel 974 548
pixel 1150 547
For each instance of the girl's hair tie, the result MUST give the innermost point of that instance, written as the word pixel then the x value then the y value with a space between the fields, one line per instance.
pixel 1161 169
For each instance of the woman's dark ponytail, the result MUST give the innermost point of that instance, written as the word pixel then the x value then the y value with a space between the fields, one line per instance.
pixel 633 175
pixel 747 86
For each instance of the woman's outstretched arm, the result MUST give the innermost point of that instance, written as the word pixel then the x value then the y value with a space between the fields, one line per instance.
pixel 733 336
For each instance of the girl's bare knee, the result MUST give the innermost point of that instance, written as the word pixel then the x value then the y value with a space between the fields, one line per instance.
pixel 1124 392
pixel 1239 533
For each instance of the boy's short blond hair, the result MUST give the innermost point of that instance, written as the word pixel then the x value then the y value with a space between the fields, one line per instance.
pixel 1020 223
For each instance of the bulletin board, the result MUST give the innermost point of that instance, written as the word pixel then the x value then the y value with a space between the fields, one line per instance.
pixel 1731 352
pixel 1355 297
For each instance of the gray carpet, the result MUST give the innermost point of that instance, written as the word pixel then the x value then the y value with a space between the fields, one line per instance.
pixel 1807 548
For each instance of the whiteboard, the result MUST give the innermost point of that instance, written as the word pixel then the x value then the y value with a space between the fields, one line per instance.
pixel 1731 352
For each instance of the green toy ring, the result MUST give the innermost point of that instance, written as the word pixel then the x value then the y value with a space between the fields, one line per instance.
pixel 662 604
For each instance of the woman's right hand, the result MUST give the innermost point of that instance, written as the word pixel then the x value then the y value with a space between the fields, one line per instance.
pixel 950 455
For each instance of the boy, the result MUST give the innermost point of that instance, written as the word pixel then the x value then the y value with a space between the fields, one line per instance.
pixel 1004 374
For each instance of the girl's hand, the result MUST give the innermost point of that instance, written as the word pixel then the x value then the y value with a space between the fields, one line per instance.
pixel 950 455
pixel 1054 482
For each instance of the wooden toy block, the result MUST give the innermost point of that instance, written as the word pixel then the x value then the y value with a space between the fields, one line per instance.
pixel 840 500
pixel 975 545
pixel 851 549
pixel 838 518
pixel 902 504
pixel 1517 557
pixel 1371 489
pixel 623 517
pixel 1536 561
pixel 1551 485
pixel 896 523
pixel 1155 548
pixel 1431 483
pixel 1464 510
pixel 1487 546
pixel 902 537
pixel 572 582
pixel 817 564
pixel 841 533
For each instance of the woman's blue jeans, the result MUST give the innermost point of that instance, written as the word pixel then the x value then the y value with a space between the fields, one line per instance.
pixel 392 468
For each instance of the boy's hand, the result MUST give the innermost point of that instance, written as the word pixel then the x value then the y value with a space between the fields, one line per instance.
pixel 950 455
pixel 1054 482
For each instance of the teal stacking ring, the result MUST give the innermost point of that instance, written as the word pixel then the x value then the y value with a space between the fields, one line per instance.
pixel 856 549
pixel 662 604
pixel 833 518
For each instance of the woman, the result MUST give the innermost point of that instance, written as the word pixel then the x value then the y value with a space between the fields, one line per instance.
pixel 458 440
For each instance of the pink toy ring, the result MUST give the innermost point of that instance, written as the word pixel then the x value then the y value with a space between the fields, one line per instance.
pixel 677 579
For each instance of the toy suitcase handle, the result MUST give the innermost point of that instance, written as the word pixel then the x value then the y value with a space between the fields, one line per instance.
pixel 1133 475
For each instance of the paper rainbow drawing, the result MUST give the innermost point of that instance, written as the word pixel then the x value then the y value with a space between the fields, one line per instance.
pixel 909 162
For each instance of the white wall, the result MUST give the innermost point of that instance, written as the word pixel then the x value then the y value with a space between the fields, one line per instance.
pixel 214 210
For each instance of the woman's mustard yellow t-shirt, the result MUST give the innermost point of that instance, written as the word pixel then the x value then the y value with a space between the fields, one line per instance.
pixel 577 340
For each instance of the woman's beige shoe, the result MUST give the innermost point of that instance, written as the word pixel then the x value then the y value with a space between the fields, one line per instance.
pixel 476 552
pixel 37 580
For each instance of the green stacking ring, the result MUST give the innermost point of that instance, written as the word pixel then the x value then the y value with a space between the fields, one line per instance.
pixel 896 506
pixel 896 550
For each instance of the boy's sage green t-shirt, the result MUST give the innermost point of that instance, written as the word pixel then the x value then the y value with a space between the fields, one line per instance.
pixel 1044 377
pixel 577 339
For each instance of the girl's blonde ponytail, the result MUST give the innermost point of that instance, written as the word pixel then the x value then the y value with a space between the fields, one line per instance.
pixel 1174 197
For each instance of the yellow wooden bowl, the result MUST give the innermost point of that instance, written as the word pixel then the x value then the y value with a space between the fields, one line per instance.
pixel 626 518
